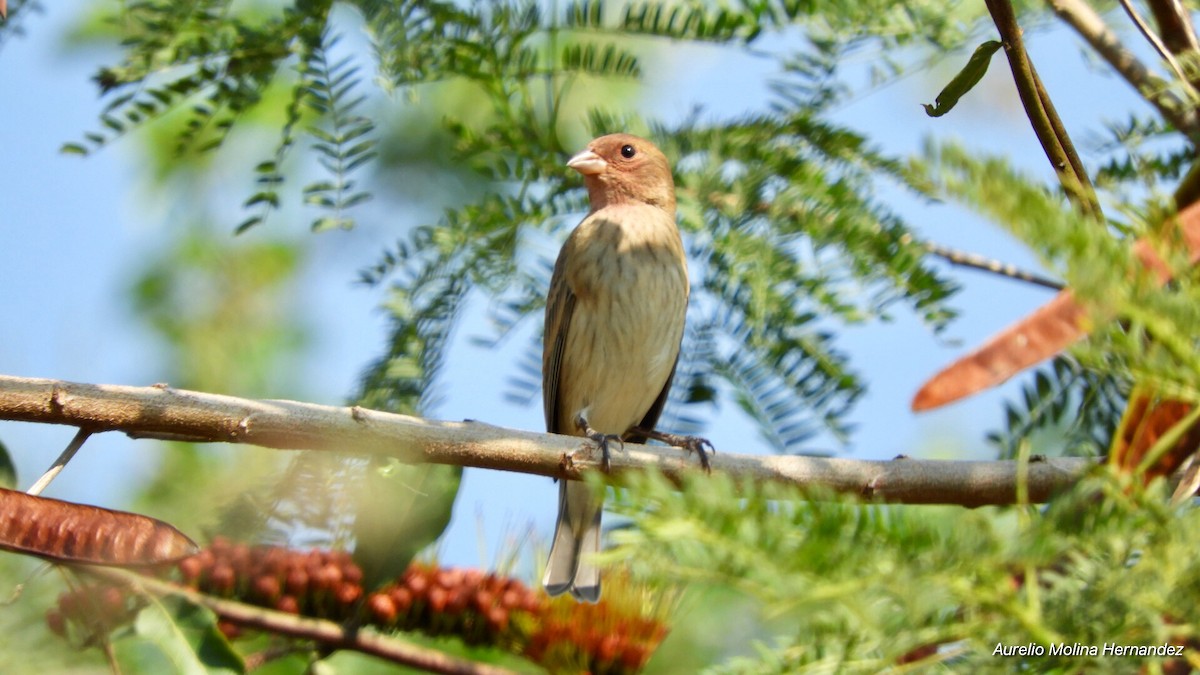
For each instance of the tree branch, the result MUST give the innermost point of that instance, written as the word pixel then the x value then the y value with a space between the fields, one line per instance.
pixel 1051 133
pixel 1091 27
pixel 983 264
pixel 1175 25
pixel 160 411
pixel 1155 41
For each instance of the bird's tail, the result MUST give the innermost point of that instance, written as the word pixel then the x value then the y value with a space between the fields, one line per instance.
pixel 576 540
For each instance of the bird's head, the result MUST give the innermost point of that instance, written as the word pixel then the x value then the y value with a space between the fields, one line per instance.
pixel 621 168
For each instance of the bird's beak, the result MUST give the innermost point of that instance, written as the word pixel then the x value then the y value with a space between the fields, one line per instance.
pixel 588 163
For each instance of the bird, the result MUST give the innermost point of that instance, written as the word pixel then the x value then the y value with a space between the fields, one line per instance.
pixel 615 315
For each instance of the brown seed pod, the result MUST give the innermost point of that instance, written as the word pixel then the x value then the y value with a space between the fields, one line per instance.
pixel 58 530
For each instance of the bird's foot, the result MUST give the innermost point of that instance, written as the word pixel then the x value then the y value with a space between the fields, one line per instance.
pixel 701 446
pixel 601 441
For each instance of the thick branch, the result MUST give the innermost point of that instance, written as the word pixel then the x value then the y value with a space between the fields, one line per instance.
pixel 161 411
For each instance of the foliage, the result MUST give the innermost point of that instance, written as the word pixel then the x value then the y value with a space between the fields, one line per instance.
pixel 222 311
pixel 863 588
pixel 1075 408
pixel 1079 401
pixel 786 238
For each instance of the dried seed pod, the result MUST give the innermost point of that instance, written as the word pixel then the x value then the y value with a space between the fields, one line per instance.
pixel 58 530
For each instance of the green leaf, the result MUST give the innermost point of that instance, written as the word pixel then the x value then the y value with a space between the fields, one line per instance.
pixel 8 470
pixel 188 637
pixel 327 223
pixel 402 509
pixel 73 149
pixel 247 224
pixel 965 80
pixel 269 198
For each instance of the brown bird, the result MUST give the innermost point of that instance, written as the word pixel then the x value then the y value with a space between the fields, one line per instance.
pixel 614 323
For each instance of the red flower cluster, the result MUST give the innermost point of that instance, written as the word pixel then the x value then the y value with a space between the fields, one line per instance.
pixel 322 584
pixel 596 639
pixel 610 637
pixel 478 608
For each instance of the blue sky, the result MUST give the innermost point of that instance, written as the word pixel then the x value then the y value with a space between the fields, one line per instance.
pixel 72 229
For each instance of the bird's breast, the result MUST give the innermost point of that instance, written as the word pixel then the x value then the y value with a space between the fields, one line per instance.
pixel 629 276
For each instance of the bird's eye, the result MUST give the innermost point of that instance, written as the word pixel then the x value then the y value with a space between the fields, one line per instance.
pixel 627 151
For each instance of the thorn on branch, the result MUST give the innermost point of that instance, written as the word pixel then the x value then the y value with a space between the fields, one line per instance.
pixel 56 403
pixel 567 463
pixel 871 487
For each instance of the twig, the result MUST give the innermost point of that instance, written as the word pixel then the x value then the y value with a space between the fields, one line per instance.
pixel 1081 17
pixel 321 631
pixel 1040 111
pixel 1175 25
pixel 978 262
pixel 1079 189
pixel 306 426
pixel 110 655
pixel 59 464
pixel 1154 40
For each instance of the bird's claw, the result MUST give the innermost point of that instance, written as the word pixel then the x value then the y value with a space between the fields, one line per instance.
pixel 701 446
pixel 601 440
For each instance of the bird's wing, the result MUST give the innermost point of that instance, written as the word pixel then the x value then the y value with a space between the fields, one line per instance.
pixel 560 307
pixel 655 411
